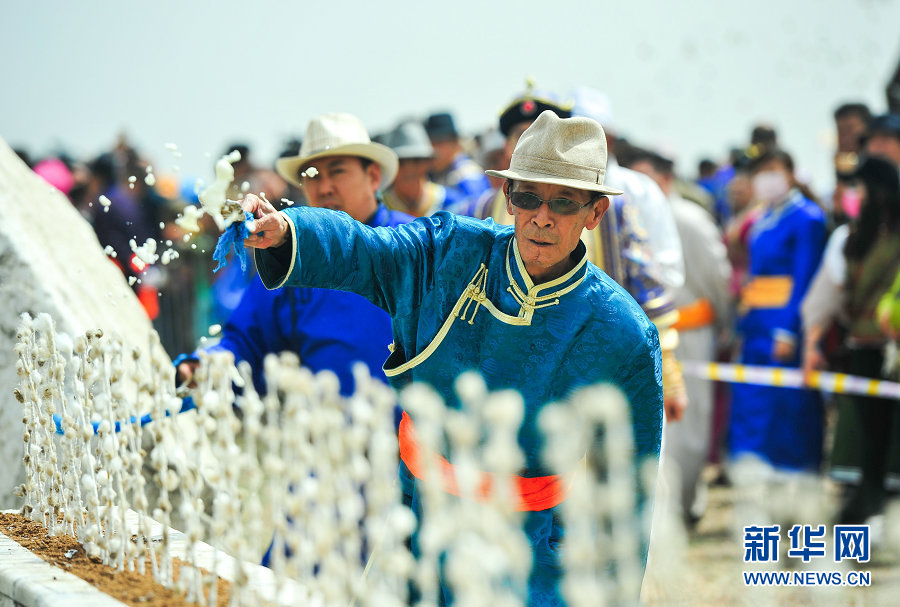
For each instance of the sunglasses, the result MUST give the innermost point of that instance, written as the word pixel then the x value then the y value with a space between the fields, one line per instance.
pixel 530 202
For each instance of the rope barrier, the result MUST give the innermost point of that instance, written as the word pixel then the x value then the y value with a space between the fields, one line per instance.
pixel 779 377
pixel 186 405
pixel 786 377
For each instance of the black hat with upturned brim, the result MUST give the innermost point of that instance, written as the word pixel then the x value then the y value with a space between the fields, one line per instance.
pixel 527 109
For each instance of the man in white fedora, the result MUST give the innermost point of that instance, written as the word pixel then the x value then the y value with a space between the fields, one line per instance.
pixel 520 304
pixel 327 329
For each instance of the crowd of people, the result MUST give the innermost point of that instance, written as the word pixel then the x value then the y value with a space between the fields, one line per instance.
pixel 743 262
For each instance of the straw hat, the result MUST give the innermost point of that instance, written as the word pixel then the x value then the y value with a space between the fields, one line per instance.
pixel 338 135
pixel 561 151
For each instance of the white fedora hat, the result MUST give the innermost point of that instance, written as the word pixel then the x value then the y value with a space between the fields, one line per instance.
pixel 338 135
pixel 561 151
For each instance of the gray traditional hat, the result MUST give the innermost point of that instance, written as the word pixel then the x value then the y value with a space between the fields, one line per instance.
pixel 409 140
pixel 338 135
pixel 561 151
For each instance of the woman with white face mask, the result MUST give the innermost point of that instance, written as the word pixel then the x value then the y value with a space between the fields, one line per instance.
pixel 772 181
pixel 781 426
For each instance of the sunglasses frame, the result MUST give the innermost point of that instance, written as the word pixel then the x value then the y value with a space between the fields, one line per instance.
pixel 560 206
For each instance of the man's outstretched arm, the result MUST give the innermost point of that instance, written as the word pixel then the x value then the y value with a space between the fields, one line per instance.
pixel 322 248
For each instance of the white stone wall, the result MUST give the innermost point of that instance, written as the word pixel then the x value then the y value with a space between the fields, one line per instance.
pixel 50 261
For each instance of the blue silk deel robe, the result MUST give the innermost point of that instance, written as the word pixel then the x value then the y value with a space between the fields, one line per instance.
pixel 464 179
pixel 460 299
pixel 783 426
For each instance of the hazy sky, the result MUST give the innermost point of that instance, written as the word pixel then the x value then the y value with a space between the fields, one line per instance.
pixel 690 75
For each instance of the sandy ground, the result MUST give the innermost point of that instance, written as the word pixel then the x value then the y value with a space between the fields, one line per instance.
pixel 704 566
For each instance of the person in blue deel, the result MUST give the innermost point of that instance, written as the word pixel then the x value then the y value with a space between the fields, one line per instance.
pixel 328 329
pixel 782 427
pixel 520 304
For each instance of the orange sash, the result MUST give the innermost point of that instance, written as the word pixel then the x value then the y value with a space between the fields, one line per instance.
pixel 535 493
pixel 767 292
pixel 695 315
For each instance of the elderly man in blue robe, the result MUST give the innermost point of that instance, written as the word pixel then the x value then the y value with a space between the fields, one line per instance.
pixel 543 320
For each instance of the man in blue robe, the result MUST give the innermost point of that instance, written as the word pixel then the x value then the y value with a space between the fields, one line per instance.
pixel 520 304
pixel 453 168
pixel 637 245
pixel 327 329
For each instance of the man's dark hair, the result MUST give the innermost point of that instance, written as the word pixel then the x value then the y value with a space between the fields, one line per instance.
pixel 764 135
pixel 291 148
pixel 104 168
pixel 242 149
pixel 660 163
pixel 625 152
pixel 706 167
pixel 847 110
